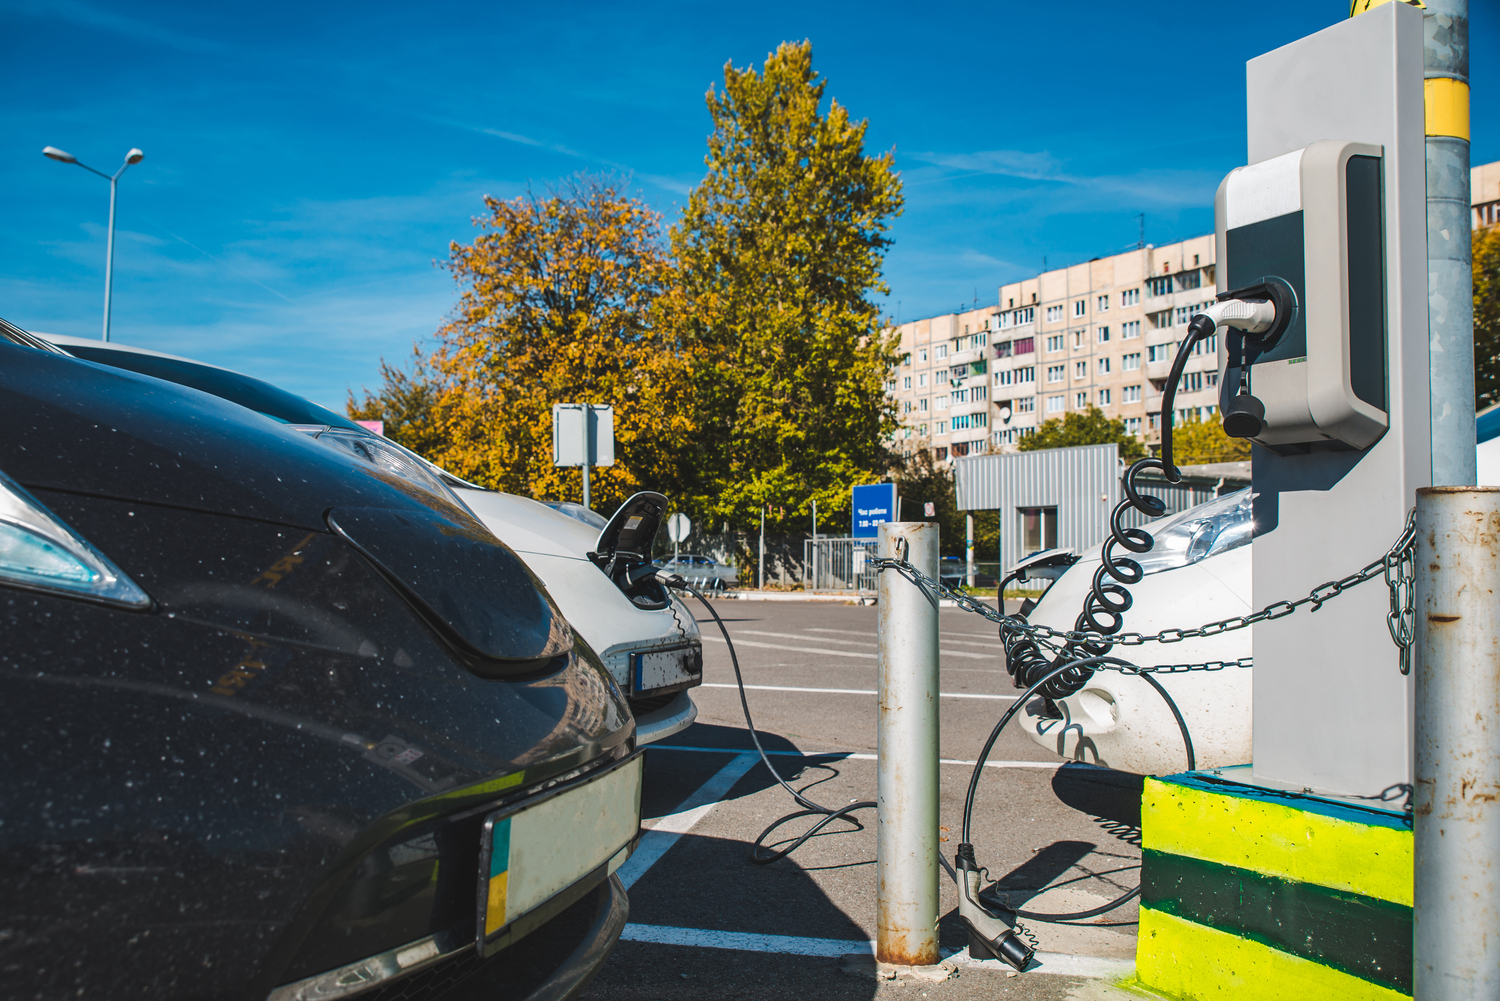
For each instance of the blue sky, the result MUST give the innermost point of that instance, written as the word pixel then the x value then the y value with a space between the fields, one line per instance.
pixel 307 164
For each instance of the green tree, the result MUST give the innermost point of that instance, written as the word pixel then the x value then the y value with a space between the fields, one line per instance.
pixel 921 481
pixel 1090 427
pixel 778 252
pixel 1486 247
pixel 1200 441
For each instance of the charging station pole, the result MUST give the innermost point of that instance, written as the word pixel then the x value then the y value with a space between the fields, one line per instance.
pixel 1456 815
pixel 906 839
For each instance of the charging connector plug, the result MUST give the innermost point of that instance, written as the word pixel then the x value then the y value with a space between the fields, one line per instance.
pixel 992 935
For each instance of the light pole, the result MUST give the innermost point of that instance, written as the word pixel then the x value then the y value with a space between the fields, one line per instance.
pixel 134 156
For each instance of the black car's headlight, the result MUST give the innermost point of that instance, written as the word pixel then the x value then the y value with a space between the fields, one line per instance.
pixel 40 552
pixel 383 454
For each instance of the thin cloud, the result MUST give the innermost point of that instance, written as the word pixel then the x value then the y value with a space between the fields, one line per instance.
pixel 1164 187
pixel 107 20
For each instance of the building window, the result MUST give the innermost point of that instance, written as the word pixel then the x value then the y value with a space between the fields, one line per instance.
pixel 980 393
pixel 1078 338
pixel 1103 304
pixel 941 351
pixel 1130 297
pixel 907 434
pixel 1056 403
pixel 922 356
pixel 906 406
pixel 1025 345
pixel 1103 335
pixel 1190 279
pixel 1103 366
pixel 1027 374
pixel 1210 378
pixel 1038 528
pixel 1005 378
pixel 906 382
pixel 1057 373
pixel 940 403
pixel 1080 400
pixel 921 380
pixel 1162 319
pixel 1208 345
pixel 1133 425
pixel 906 359
pixel 940 454
pixel 1131 362
pixel 941 427
pixel 1002 349
pixel 1080 370
pixel 1006 437
pixel 1026 405
pixel 979 340
pixel 1104 398
pixel 1129 330
pixel 1159 286
pixel 1160 352
pixel 1025 432
pixel 1080 308
pixel 922 405
pixel 1055 343
pixel 1191 382
pixel 1131 394
pixel 1054 314
pixel 970 421
pixel 960 396
pixel 1155 421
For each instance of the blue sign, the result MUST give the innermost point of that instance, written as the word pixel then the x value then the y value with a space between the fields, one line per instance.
pixel 874 505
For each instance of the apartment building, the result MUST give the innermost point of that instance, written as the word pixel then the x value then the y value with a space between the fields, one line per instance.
pixel 1103 333
pixel 1484 194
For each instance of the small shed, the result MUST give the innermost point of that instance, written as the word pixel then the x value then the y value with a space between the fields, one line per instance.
pixel 1050 498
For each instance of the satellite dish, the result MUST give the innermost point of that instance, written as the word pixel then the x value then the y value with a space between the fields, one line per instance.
pixel 1005 415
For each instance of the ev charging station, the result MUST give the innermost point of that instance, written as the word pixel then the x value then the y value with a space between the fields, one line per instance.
pixel 1330 216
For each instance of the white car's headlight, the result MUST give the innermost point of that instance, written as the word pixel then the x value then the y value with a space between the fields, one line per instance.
pixel 39 552
pixel 383 454
pixel 1199 532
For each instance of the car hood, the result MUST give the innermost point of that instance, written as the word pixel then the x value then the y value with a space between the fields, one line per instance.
pixel 132 437
pixel 529 527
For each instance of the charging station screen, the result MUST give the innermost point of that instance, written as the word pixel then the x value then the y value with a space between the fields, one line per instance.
pixel 874 505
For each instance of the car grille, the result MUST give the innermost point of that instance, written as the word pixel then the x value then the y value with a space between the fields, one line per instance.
pixel 650 703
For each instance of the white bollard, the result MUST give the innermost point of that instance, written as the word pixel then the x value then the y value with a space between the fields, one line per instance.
pixel 1456 806
pixel 906 846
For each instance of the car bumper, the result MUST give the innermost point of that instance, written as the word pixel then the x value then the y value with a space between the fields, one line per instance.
pixel 674 717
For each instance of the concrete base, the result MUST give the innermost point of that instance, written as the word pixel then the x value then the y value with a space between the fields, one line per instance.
pixel 1256 893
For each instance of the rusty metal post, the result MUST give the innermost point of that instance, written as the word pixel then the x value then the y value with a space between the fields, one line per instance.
pixel 906 843
pixel 1456 805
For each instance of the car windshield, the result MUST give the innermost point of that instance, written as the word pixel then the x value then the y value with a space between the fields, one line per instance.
pixel 252 394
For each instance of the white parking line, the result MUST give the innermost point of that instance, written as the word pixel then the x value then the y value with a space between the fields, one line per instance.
pixel 855 691
pixel 832 948
pixel 835 653
pixel 991 644
pixel 855 756
pixel 666 830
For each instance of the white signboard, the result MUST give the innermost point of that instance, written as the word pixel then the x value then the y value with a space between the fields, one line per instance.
pixel 678 527
pixel 571 446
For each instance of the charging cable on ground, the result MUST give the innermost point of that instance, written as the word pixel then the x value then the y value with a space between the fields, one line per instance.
pixel 759 854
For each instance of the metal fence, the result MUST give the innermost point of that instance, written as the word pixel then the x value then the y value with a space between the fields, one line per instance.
pixel 839 565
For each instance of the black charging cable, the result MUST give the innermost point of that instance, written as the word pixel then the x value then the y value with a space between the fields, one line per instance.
pixel 759 854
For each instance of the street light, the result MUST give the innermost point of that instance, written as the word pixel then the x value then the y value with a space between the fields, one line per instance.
pixel 134 156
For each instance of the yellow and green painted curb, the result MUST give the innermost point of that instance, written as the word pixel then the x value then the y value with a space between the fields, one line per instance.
pixel 1253 893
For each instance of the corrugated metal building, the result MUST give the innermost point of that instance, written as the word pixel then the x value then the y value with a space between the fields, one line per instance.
pixel 1062 497
pixel 1050 498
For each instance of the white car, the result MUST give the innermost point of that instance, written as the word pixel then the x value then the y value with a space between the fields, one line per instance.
pixel 649 642
pixel 1198 571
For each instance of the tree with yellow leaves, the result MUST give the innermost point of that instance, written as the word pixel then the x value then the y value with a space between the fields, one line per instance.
pixel 557 307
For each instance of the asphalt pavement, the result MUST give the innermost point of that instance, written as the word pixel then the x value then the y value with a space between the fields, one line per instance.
pixel 707 922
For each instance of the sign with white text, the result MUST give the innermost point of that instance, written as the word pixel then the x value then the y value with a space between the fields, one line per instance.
pixel 874 505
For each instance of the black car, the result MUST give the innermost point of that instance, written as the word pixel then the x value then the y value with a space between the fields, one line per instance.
pixel 280 723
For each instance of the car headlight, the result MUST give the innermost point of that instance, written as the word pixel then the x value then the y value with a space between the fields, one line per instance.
pixel 1189 536
pixel 38 551
pixel 386 455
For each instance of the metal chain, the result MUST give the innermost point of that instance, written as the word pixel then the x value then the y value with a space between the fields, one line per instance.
pixel 1396 566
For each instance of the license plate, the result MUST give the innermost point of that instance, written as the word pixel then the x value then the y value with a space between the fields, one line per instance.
pixel 538 849
pixel 660 668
